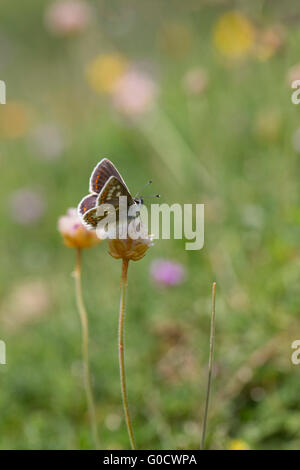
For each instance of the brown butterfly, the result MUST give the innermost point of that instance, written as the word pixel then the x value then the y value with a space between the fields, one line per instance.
pixel 106 186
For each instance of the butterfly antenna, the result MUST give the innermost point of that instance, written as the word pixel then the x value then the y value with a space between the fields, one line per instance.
pixel 148 197
pixel 139 192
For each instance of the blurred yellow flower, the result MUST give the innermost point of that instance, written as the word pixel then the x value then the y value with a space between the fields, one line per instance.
pixel 238 444
pixel 104 72
pixel 234 35
pixel 268 124
pixel 15 120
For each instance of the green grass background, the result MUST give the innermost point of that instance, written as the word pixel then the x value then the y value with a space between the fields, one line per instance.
pixel 255 264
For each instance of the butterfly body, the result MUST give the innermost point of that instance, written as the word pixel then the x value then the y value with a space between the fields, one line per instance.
pixel 106 187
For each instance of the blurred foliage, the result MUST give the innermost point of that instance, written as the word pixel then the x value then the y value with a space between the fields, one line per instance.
pixel 231 147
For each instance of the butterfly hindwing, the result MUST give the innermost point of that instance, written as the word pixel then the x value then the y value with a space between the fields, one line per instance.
pixel 87 203
pixel 101 174
pixel 91 218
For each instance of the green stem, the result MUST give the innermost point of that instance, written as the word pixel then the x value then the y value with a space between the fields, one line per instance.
pixel 85 349
pixel 210 364
pixel 122 354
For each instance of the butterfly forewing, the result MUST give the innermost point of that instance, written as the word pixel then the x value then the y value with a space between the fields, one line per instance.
pixel 101 173
pixel 112 190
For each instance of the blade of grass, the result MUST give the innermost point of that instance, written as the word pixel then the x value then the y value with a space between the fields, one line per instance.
pixel 210 364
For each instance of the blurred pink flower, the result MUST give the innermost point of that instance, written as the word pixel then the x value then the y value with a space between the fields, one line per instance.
pixel 67 17
pixel 293 73
pixel 47 141
pixel 75 234
pixel 26 206
pixel 68 224
pixel 27 302
pixel 195 81
pixel 167 273
pixel 268 42
pixel 134 93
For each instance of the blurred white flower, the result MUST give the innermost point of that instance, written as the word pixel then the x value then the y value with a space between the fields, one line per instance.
pixel 26 206
pixel 67 17
pixel 134 93
pixel 47 141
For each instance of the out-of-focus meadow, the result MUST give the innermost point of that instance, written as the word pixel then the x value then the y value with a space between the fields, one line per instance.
pixel 195 95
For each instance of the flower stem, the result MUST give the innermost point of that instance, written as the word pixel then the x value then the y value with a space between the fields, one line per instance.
pixel 210 363
pixel 85 348
pixel 125 263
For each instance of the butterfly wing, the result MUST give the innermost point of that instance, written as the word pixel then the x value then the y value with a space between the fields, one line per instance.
pixel 101 174
pixel 106 186
pixel 87 203
pixel 90 219
pixel 112 190
pixel 109 194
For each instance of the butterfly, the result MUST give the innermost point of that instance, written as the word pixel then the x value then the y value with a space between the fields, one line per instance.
pixel 106 186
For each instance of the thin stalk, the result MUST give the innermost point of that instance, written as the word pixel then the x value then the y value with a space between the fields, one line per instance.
pixel 210 363
pixel 172 148
pixel 122 353
pixel 85 349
